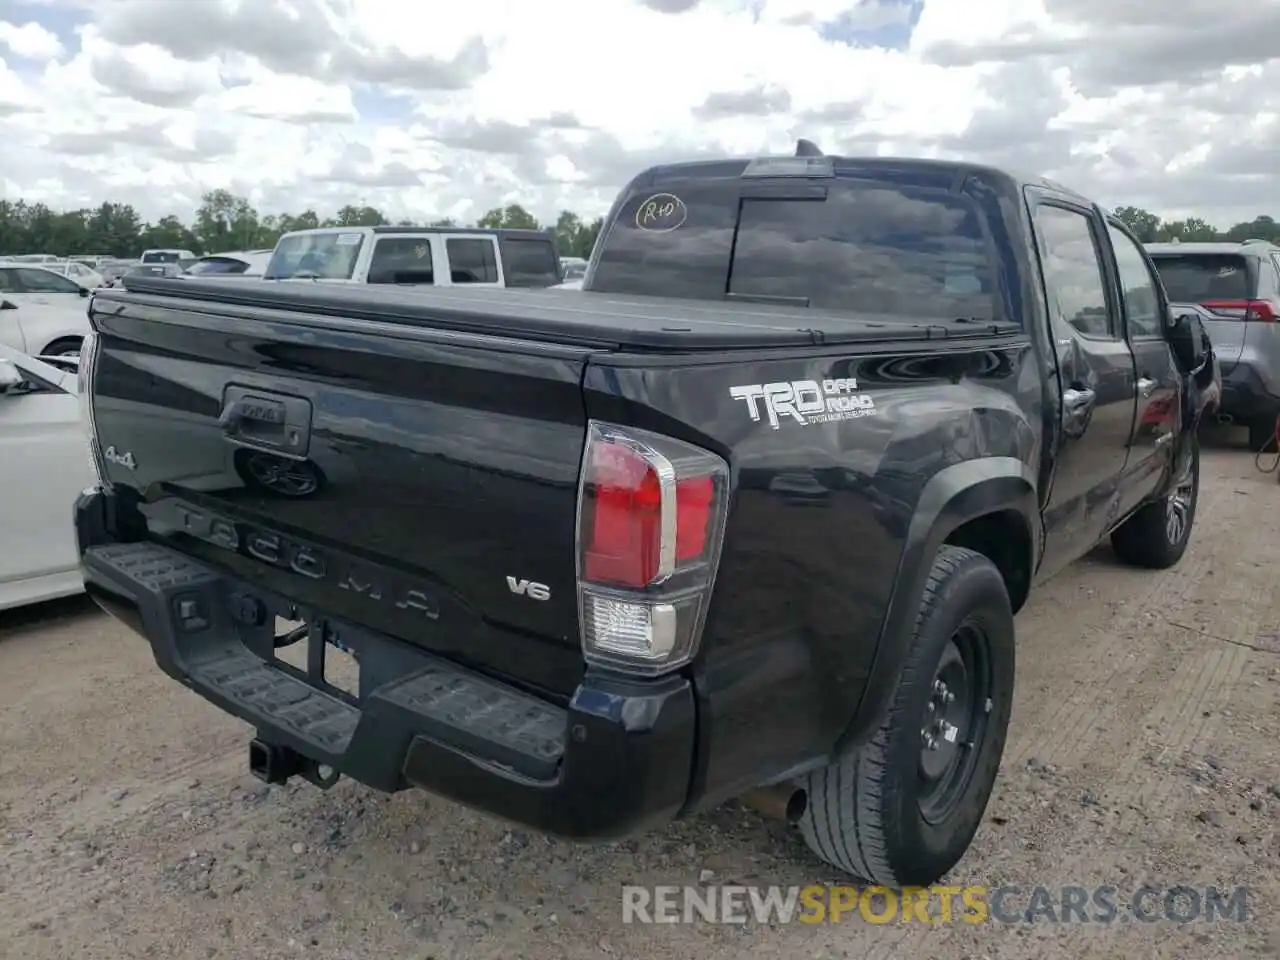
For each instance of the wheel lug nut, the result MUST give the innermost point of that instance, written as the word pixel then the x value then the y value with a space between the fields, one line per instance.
pixel 950 697
pixel 931 707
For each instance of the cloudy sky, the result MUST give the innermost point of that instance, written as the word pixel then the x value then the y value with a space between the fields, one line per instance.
pixel 441 108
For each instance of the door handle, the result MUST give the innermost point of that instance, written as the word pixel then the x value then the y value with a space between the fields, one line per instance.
pixel 1146 386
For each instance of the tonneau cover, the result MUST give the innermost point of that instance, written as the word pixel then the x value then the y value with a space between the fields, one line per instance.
pixel 581 317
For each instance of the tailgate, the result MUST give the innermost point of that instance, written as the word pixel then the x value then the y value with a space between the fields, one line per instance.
pixel 422 486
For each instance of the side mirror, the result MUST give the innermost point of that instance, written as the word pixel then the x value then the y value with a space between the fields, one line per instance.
pixel 84 291
pixel 10 376
pixel 8 305
pixel 1189 341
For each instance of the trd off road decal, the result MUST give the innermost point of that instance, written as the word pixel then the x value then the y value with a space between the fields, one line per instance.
pixel 805 401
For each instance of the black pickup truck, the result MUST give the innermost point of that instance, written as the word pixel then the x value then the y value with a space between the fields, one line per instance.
pixel 748 516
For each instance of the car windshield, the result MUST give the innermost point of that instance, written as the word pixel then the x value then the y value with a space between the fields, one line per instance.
pixel 866 246
pixel 1201 278
pixel 315 256
pixel 160 256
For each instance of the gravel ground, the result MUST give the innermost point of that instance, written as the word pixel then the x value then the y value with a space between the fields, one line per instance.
pixel 1143 751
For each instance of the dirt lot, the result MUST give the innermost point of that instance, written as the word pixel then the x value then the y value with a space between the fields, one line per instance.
pixel 1144 750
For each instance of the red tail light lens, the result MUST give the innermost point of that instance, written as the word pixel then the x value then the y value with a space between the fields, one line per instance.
pixel 694 496
pixel 651 515
pixel 622 517
pixel 627 497
pixel 1256 310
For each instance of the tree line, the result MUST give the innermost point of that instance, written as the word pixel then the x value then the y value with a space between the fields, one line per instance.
pixel 1149 228
pixel 226 222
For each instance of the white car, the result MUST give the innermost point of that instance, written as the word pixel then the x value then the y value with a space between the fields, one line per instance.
pixel 44 465
pixel 81 274
pixel 233 263
pixel 41 313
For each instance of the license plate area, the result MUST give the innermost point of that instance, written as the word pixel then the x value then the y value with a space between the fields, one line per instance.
pixel 314 651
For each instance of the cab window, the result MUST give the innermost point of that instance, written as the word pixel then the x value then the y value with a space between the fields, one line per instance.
pixel 1141 295
pixel 1073 276
pixel 472 260
pixel 402 260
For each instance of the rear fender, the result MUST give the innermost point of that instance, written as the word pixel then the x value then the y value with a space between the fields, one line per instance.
pixel 954 496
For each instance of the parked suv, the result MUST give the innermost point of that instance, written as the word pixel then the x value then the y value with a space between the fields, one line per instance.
pixel 1236 288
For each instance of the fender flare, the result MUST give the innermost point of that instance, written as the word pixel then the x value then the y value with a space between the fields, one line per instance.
pixel 952 497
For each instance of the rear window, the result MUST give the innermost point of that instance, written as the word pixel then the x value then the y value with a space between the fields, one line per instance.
pixel 160 256
pixel 217 265
pixel 402 260
pixel 529 263
pixel 1197 278
pixel 472 261
pixel 869 247
pixel 315 256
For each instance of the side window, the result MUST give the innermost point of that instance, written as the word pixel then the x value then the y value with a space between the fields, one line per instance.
pixel 1141 295
pixel 472 261
pixel 529 263
pixel 402 260
pixel 9 281
pixel 1073 274
pixel 45 281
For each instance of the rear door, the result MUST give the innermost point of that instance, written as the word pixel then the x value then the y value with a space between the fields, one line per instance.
pixel 1096 377
pixel 1159 384
pixel 472 260
pixel 1213 279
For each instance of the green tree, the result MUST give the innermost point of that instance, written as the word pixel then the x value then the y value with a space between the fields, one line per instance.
pixel 1143 223
pixel 512 217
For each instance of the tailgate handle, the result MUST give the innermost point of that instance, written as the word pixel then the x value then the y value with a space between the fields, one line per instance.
pixel 266 421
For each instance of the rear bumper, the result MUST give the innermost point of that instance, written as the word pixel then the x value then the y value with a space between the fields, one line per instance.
pixel 1244 395
pixel 615 762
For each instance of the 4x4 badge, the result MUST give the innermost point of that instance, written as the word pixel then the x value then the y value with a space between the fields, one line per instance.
pixel 126 460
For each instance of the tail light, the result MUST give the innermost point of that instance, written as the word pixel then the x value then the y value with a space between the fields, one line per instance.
pixel 651 514
pixel 1254 310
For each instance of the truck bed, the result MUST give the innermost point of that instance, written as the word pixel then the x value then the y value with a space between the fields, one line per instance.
pixel 605 321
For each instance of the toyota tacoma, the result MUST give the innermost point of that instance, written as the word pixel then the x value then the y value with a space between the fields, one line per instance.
pixel 749 517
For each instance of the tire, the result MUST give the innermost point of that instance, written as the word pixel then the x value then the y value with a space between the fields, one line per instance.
pixel 866 812
pixel 67 347
pixel 1149 538
pixel 1262 436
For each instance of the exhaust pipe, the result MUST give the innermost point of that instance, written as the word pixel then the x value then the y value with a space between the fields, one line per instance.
pixel 781 801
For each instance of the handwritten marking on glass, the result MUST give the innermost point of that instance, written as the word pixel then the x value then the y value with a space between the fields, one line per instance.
pixel 661 213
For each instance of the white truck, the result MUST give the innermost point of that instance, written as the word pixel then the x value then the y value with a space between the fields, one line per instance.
pixel 431 256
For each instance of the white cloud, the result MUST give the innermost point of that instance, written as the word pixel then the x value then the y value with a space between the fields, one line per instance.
pixel 317 103
pixel 30 40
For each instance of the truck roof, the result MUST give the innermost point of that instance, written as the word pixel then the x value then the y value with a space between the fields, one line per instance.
pixel 509 232
pixel 601 320
pixel 848 166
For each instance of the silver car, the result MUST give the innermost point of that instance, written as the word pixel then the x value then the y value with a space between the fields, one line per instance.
pixel 1235 288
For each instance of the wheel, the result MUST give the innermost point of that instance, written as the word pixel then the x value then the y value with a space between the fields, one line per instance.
pixel 1262 436
pixel 1157 535
pixel 69 347
pixel 902 809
